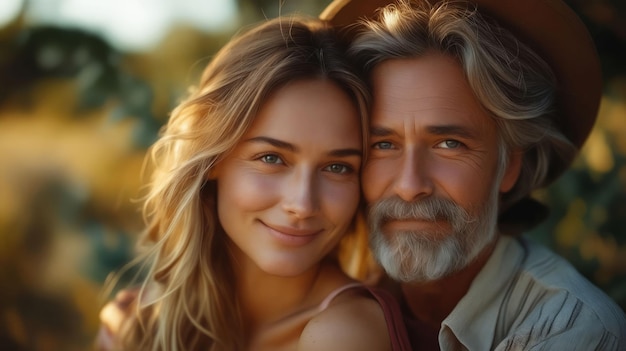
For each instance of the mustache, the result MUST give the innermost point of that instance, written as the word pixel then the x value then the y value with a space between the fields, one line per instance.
pixel 426 209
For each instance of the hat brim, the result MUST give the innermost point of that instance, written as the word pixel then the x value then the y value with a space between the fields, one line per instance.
pixel 551 28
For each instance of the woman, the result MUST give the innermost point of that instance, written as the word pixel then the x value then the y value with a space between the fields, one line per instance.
pixel 256 182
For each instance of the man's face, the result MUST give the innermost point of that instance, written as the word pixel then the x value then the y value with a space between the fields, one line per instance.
pixel 433 176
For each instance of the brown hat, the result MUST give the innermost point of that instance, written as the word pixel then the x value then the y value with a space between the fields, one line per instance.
pixel 552 29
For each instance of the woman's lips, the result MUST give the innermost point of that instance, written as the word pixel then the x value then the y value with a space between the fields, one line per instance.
pixel 292 236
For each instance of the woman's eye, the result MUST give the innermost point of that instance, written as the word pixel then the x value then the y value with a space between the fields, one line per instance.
pixel 383 145
pixel 271 158
pixel 338 168
pixel 450 144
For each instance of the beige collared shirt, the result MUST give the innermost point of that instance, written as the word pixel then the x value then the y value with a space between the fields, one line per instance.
pixel 528 298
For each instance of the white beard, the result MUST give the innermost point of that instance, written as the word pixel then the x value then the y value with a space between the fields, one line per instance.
pixel 416 256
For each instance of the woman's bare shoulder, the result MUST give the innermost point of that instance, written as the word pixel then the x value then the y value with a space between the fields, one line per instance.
pixel 353 321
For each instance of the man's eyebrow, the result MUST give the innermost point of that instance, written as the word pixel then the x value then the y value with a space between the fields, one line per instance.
pixel 460 131
pixel 274 142
pixel 456 130
pixel 379 131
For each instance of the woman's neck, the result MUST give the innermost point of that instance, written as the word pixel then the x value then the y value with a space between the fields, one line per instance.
pixel 266 298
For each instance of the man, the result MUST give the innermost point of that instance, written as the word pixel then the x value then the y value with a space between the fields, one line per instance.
pixel 468 119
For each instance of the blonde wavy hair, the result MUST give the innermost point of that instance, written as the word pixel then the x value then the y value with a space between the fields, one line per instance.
pixel 187 299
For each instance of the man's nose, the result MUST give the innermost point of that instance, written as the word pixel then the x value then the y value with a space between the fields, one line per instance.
pixel 413 179
pixel 301 194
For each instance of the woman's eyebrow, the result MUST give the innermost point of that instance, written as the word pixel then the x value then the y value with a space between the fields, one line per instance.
pixel 347 152
pixel 274 142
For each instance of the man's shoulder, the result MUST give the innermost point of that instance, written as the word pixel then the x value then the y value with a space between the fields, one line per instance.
pixel 548 297
pixel 553 276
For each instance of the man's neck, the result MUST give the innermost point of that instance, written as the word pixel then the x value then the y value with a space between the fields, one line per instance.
pixel 431 302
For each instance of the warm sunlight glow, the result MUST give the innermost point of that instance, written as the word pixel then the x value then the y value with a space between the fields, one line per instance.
pixel 136 25
pixel 9 10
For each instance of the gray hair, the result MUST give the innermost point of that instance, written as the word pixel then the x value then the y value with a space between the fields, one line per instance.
pixel 511 82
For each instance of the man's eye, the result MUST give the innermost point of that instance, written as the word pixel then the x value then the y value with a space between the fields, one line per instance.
pixel 271 158
pixel 339 168
pixel 383 145
pixel 450 144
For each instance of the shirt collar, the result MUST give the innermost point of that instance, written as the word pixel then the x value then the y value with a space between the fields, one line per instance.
pixel 472 323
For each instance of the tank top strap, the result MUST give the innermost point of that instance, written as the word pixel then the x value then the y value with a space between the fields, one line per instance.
pixel 393 316
pixel 333 294
pixel 396 328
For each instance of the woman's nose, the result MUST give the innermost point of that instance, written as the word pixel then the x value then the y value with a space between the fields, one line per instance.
pixel 301 194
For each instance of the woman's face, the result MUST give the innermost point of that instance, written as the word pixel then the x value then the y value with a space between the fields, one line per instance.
pixel 290 188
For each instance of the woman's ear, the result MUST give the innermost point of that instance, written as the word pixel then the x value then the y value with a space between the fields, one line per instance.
pixel 512 171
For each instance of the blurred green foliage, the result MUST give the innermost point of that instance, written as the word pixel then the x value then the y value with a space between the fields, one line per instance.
pixel 76 117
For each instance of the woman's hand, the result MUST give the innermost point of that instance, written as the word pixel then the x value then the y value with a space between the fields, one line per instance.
pixel 112 315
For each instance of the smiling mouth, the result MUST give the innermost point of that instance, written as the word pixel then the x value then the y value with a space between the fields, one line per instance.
pixel 292 236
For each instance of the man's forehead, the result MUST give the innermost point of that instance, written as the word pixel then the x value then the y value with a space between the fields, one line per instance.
pixel 428 88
